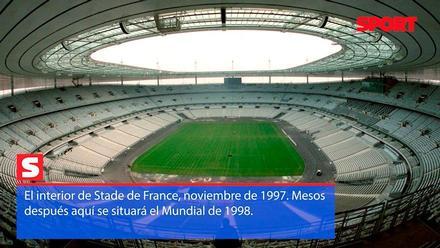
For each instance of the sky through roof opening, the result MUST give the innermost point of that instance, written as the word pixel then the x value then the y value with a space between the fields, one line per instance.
pixel 231 50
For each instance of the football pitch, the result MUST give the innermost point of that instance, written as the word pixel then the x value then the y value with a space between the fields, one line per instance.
pixel 245 148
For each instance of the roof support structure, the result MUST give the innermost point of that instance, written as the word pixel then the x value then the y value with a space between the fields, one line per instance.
pixel 12 85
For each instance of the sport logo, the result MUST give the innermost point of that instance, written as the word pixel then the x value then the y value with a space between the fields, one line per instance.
pixel 386 23
pixel 30 167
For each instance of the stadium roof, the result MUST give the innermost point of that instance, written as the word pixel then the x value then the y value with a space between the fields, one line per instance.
pixel 42 38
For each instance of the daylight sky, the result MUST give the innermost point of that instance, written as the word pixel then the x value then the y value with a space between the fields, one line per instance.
pixel 229 50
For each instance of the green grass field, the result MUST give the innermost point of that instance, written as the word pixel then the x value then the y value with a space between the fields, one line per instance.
pixel 227 148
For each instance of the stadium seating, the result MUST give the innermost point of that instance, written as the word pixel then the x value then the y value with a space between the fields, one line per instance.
pixel 381 147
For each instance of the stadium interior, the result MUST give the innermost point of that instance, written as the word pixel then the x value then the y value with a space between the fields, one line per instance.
pixel 366 117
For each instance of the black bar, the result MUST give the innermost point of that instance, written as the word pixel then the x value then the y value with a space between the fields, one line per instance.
pixel 223 15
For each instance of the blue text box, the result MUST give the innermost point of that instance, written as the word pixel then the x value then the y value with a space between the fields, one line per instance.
pixel 175 212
